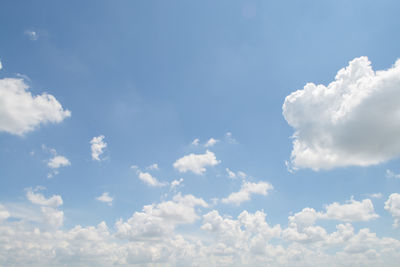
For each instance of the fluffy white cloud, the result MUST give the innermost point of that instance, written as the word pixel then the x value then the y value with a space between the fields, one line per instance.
pixel 159 220
pixel 58 161
pixel 39 199
pixel 211 142
pixel 352 121
pixel 393 206
pixel 106 198
pixel 352 211
pixel 245 192
pixel 20 112
pixel 148 179
pixel 97 147
pixel 152 237
pixel 196 163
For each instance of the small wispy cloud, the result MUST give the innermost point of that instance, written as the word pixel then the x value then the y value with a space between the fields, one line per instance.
pixel 32 35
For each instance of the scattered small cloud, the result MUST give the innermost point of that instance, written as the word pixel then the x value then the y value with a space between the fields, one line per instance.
pixel 211 142
pixel 97 147
pixel 55 162
pixel 176 183
pixel 390 174
pixel 230 139
pixel 105 197
pixel 196 142
pixel 152 167
pixel 196 163
pixel 245 192
pixel 230 173
pixel 32 35
pixel 392 205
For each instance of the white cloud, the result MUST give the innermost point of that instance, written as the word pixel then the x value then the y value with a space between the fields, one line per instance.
pixel 20 112
pixel 230 139
pixel 390 174
pixel 352 121
pixel 176 183
pixel 352 211
pixel 1 66
pixel 247 189
pixel 159 220
pixel 148 179
pixel 105 198
pixel 393 206
pixel 375 195
pixel 152 167
pixel 4 214
pixel 97 147
pixel 196 163
pixel 39 199
pixel 32 35
pixel 230 173
pixel 58 161
pixel 211 142
pixel 196 142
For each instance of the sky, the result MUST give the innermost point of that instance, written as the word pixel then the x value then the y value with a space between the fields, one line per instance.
pixel 199 133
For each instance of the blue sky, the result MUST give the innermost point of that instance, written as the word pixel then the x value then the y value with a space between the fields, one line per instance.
pixel 194 133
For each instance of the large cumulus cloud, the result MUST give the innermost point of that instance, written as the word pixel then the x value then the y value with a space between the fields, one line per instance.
pixel 355 120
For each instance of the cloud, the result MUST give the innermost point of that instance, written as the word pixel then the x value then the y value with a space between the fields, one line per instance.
pixel 230 139
pixel 245 192
pixel 176 183
pixel 196 142
pixel 152 167
pixel 97 147
pixel 392 205
pixel 196 163
pixel 211 142
pixel 390 174
pixel 38 199
pixel 1 66
pixel 230 173
pixel 20 112
pixel 351 122
pixel 148 179
pixel 105 198
pixel 159 220
pixel 32 35
pixel 352 211
pixel 58 161
pixel 4 214
pixel 159 235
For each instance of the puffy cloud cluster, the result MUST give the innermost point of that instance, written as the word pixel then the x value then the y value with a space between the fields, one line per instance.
pixel 159 220
pixel 97 145
pixel 393 206
pixel 352 121
pixel 153 237
pixel 196 163
pixel 21 112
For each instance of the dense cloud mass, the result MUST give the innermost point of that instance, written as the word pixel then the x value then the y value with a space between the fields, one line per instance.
pixel 152 237
pixel 21 112
pixel 352 121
